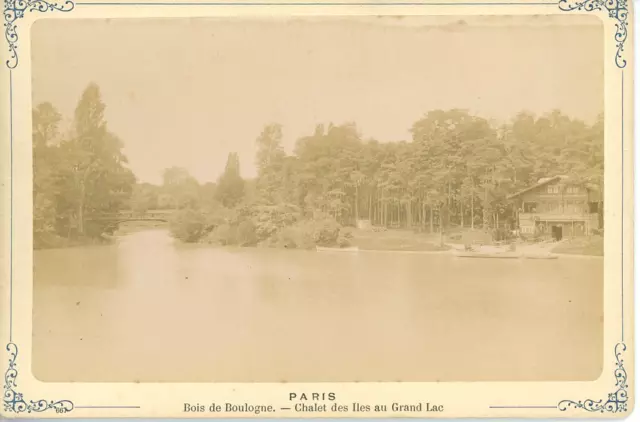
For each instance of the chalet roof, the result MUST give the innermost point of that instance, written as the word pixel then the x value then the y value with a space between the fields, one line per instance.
pixel 541 182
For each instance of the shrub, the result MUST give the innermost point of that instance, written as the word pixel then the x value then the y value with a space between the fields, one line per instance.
pixel 344 237
pixel 189 225
pixel 298 236
pixel 224 234
pixel 309 233
pixel 325 232
pixel 247 233
pixel 270 219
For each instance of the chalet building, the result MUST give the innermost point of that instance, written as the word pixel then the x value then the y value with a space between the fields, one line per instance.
pixel 556 208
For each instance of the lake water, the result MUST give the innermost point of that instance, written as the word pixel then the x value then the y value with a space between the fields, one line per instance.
pixel 149 309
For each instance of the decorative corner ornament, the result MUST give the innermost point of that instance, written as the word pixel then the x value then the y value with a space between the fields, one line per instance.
pixel 15 402
pixel 617 10
pixel 14 10
pixel 616 402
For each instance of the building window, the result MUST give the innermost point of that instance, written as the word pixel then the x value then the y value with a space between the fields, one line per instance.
pixel 530 207
pixel 573 190
pixel 553 189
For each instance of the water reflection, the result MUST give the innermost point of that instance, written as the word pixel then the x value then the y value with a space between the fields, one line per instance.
pixel 149 309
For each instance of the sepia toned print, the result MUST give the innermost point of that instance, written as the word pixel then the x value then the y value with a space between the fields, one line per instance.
pixel 318 199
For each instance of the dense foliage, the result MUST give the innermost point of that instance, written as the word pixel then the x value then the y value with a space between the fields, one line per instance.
pixel 77 176
pixel 456 171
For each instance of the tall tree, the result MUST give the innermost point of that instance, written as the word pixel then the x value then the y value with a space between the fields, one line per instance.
pixel 80 174
pixel 46 120
pixel 230 186
pixel 270 159
pixel 270 150
pixel 98 172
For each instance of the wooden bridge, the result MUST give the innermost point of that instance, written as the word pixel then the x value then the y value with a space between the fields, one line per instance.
pixel 124 216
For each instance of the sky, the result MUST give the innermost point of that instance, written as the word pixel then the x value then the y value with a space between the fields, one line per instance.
pixel 186 92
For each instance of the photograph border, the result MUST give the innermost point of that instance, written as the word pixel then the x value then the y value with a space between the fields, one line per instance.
pixel 14 10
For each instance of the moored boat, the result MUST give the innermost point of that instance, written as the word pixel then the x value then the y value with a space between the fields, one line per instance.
pixel 540 256
pixel 474 254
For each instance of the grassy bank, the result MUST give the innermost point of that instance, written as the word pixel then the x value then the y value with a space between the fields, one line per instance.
pixel 396 240
pixel 592 246
pixel 55 242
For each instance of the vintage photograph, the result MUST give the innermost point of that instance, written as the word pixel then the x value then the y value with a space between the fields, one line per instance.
pixel 318 199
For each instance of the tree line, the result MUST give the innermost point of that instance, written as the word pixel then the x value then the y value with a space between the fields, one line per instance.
pixel 456 170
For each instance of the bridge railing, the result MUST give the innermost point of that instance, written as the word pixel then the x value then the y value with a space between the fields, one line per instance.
pixel 125 215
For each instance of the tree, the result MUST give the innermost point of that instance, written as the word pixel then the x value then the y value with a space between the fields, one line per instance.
pixel 182 189
pixel 325 164
pixel 357 178
pixel 230 186
pixel 583 160
pixel 270 151
pixel 46 120
pixel 144 197
pixel 447 142
pixel 100 180
pixel 77 175
pixel 270 160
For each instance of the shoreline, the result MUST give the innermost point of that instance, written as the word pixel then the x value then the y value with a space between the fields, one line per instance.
pixel 114 239
pixel 449 251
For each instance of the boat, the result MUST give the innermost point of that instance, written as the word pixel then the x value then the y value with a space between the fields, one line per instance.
pixel 540 256
pixel 349 249
pixel 475 254
pixel 503 254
